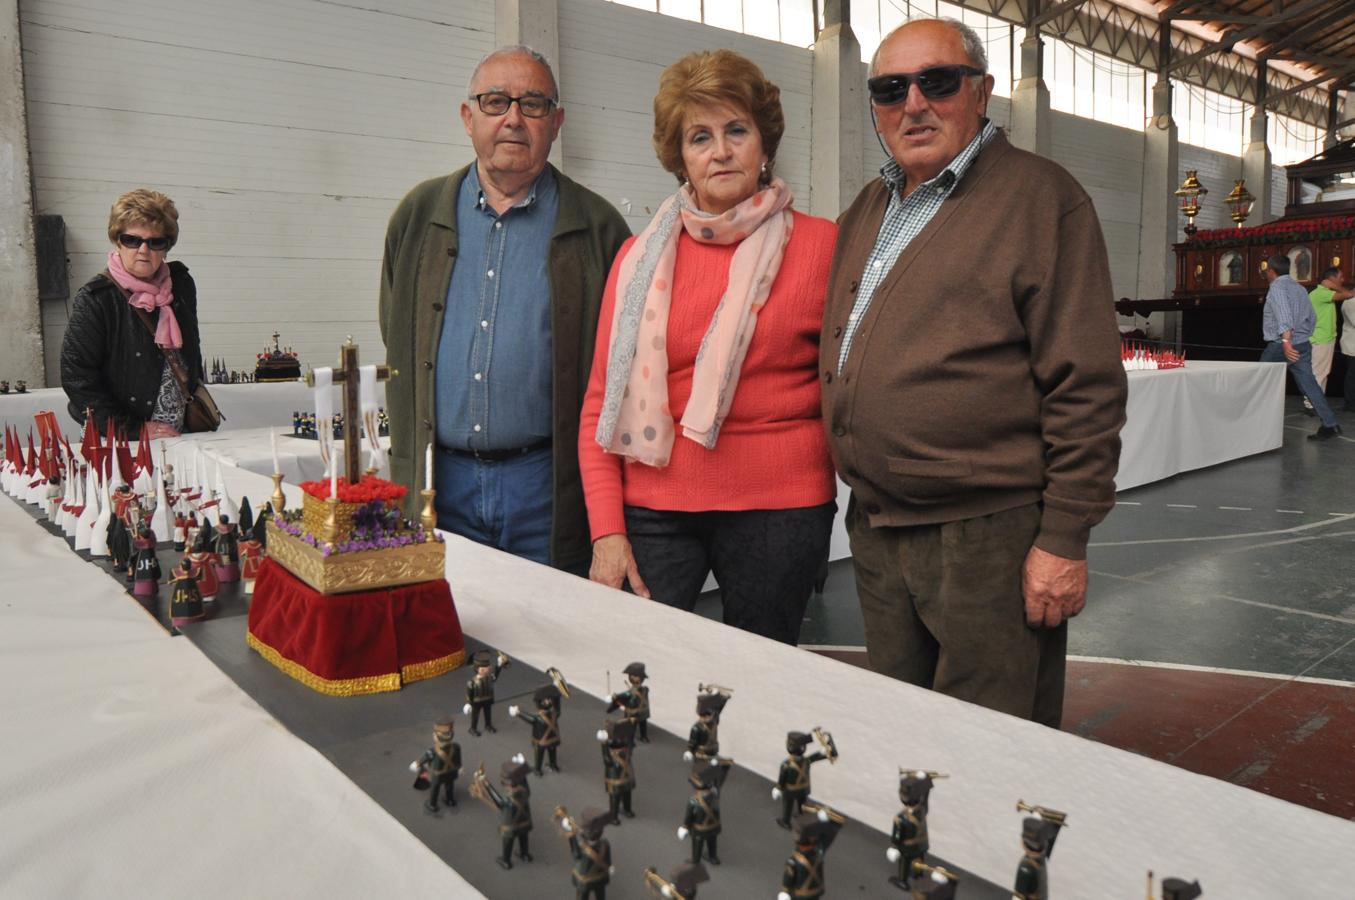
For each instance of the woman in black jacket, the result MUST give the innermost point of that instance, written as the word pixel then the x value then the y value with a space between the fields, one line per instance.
pixel 131 349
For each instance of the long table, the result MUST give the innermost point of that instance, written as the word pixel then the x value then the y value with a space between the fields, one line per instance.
pixel 207 792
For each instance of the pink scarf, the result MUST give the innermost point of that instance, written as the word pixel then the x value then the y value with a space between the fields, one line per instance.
pixel 635 420
pixel 150 295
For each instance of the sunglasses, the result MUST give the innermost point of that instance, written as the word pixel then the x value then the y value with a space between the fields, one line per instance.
pixel 934 83
pixel 495 103
pixel 134 242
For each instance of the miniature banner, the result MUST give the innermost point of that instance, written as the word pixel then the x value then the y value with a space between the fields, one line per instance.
pixel 324 412
pixel 371 420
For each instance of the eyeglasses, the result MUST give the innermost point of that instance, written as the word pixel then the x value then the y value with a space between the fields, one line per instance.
pixel 935 83
pixel 495 103
pixel 134 242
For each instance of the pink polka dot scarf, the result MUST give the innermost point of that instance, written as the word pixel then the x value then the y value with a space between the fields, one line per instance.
pixel 635 420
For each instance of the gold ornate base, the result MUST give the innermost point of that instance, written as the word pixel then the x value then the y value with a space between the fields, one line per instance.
pixel 352 687
pixel 364 570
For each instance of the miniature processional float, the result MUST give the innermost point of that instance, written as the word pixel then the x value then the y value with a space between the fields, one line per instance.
pixel 351 598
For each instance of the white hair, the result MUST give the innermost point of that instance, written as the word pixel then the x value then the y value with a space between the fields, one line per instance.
pixel 515 50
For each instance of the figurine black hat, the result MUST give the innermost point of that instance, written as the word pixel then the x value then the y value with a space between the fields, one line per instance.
pixel 796 741
pixel 444 728
pixel 636 670
pixel 246 517
pixel 592 820
pixel 547 693
pixel 710 704
pixel 809 827
pixel 620 731
pixel 914 787
pixel 1180 889
pixel 482 658
pixel 1038 834
pixel 687 876
pixel 926 887
pixel 260 532
pixel 707 773
pixel 514 772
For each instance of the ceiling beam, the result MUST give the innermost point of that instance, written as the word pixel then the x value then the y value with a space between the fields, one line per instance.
pixel 1223 18
pixel 1231 38
pixel 1342 75
pixel 1054 12
pixel 1302 32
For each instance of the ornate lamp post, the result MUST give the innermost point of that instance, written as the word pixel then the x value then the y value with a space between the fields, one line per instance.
pixel 1190 193
pixel 1239 202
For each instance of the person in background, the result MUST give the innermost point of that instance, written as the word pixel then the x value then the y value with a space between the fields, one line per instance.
pixel 1330 290
pixel 701 445
pixel 1287 322
pixel 133 324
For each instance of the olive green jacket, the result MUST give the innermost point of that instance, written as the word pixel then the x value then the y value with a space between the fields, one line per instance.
pixel 421 245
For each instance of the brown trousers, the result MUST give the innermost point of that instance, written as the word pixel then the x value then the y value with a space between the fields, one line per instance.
pixel 943 609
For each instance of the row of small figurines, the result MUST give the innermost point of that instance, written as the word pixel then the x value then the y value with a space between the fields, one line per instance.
pixel 20 386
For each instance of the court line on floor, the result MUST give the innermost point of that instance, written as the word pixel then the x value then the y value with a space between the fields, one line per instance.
pixel 1224 537
pixel 1139 579
pixel 1187 667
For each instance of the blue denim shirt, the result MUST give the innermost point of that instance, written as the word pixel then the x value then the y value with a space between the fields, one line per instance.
pixel 1287 309
pixel 494 389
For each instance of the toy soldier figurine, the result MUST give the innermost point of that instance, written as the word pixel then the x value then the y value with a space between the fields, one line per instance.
pixel 634 701
pixel 704 740
pixel 439 767
pixel 515 811
pixel 680 885
pixel 618 769
pixel 792 784
pixel 204 564
pixel 545 724
pixel 145 565
pixel 480 690
pixel 803 877
pixel 591 851
pixel 909 840
pixel 1038 834
pixel 185 604
pixel 1177 888
pixel 702 819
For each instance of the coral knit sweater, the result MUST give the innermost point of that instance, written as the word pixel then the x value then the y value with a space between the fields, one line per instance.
pixel 772 451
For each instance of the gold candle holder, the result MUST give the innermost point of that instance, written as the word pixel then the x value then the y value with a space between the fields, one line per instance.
pixel 279 500
pixel 332 520
pixel 429 517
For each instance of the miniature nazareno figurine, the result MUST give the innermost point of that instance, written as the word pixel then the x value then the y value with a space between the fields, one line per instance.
pixel 437 769
pixel 702 818
pixel 634 701
pixel 618 766
pixel 1177 888
pixel 480 689
pixel 513 804
pixel 251 553
pixel 545 725
pixel 180 532
pixel 908 840
pixel 1038 834
pixel 204 564
pixel 185 603
pixel 145 564
pixel 680 884
pixel 803 878
pixel 792 783
pixel 227 546
pixel 703 742
pixel 591 851
pixel 119 544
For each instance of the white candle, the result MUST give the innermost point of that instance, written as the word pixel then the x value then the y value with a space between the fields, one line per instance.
pixel 334 472
pixel 273 445
pixel 428 468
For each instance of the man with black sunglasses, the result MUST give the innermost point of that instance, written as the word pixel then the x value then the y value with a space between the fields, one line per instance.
pixel 490 291
pixel 972 386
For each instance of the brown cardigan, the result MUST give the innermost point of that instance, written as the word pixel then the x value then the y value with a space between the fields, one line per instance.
pixel 986 372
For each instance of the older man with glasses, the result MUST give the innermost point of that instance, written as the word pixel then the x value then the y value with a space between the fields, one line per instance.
pixel 972 386
pixel 490 289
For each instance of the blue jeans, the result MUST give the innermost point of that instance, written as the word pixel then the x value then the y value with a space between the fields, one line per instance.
pixel 507 505
pixel 1302 370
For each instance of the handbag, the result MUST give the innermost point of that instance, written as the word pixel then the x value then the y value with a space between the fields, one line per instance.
pixel 200 412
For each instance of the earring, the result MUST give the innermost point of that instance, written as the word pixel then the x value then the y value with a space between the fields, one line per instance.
pixel 764 170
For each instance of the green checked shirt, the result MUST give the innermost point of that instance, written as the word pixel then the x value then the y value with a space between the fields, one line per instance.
pixel 905 217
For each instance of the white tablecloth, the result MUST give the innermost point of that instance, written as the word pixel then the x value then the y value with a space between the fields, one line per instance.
pixel 182 760
pixel 248 449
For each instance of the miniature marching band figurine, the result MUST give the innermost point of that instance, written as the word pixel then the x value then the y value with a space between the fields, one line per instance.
pixel 227 545
pixel 185 603
pixel 480 689
pixel 618 769
pixel 680 884
pixel 545 724
pixel 702 819
pixel 437 769
pixel 909 842
pixel 803 878
pixel 933 882
pixel 180 532
pixel 1038 834
pixel 634 701
pixel 1176 888
pixel 703 742
pixel 792 784
pixel 204 564
pixel 513 804
pixel 591 851
pixel 145 565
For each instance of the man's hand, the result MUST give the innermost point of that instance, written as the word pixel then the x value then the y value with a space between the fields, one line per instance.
pixel 1290 353
pixel 614 564
pixel 1055 588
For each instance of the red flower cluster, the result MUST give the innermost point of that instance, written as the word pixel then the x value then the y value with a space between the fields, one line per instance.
pixel 1314 228
pixel 365 491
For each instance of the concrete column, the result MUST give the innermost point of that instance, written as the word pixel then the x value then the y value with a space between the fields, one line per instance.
pixel 535 23
pixel 838 116
pixel 21 336
pixel 1256 169
pixel 1031 127
pixel 1158 213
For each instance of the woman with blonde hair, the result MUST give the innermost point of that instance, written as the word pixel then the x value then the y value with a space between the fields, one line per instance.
pixel 131 350
pixel 701 443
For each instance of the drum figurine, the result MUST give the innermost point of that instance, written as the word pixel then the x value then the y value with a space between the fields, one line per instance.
pixel 437 769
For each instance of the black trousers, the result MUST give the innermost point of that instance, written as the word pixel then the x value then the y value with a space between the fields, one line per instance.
pixel 1350 382
pixel 508 839
pixel 765 561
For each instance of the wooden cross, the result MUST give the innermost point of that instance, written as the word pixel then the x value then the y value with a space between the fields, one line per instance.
pixel 347 375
